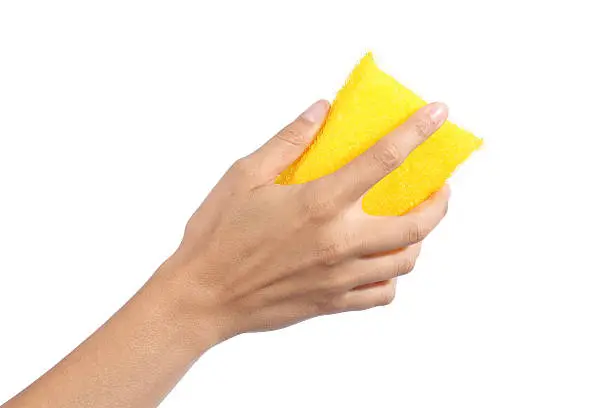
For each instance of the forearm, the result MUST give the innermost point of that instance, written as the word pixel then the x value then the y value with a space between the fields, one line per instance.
pixel 133 360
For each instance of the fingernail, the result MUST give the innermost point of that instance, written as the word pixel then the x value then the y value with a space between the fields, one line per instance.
pixel 438 111
pixel 317 112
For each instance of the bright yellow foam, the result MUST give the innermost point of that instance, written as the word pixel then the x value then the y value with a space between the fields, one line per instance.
pixel 370 105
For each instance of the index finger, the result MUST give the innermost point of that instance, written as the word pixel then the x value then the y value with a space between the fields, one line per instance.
pixel 358 176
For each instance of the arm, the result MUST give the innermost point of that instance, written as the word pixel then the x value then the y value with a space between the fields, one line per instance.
pixel 133 360
pixel 255 256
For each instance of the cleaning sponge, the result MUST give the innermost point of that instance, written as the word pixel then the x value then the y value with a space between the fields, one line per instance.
pixel 370 105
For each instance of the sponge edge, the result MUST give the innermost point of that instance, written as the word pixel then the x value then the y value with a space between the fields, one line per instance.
pixel 370 105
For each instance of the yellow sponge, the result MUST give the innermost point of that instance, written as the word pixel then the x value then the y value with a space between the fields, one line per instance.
pixel 370 105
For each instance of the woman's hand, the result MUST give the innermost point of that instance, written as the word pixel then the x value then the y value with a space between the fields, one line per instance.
pixel 255 256
pixel 260 256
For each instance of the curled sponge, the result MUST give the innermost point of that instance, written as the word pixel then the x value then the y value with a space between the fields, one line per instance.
pixel 370 105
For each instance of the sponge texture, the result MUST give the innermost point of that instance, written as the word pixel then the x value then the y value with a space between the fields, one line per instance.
pixel 370 105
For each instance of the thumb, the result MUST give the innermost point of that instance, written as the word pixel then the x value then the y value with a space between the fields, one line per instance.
pixel 289 144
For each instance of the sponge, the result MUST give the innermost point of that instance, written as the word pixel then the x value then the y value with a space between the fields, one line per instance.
pixel 370 105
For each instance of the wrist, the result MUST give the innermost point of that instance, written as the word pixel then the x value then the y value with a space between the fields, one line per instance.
pixel 195 327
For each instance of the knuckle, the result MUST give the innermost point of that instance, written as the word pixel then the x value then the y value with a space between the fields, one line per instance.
pixel 243 167
pixel 319 208
pixel 416 232
pixel 326 305
pixel 320 306
pixel 294 134
pixel 423 127
pixel 330 252
pixel 388 156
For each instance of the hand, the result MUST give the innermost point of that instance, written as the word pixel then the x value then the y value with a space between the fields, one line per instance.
pixel 255 256
pixel 260 256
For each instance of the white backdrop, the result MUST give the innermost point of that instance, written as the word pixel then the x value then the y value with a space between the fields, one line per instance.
pixel 117 117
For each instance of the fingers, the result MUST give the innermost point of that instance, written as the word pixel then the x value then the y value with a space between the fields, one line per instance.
pixel 356 234
pixel 370 281
pixel 353 180
pixel 380 294
pixel 366 271
pixel 382 234
pixel 288 144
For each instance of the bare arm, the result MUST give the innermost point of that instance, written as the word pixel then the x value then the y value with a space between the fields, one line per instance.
pixel 255 256
pixel 133 360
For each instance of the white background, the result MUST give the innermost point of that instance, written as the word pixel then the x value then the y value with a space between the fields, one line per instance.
pixel 117 117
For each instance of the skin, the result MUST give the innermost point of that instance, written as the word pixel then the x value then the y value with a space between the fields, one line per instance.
pixel 255 256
